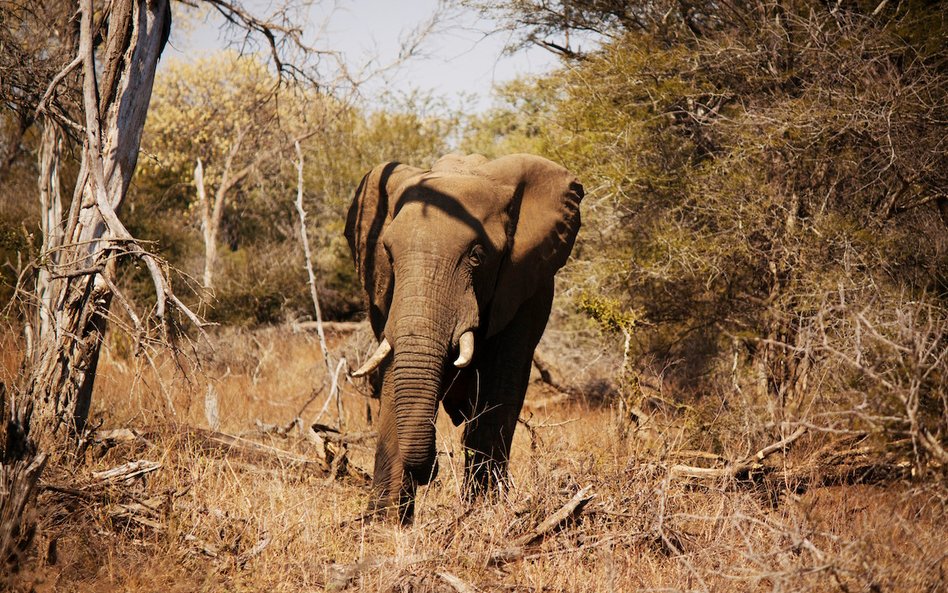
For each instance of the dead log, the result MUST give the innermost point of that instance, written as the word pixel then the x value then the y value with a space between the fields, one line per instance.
pixel 331 434
pixel 331 455
pixel 249 451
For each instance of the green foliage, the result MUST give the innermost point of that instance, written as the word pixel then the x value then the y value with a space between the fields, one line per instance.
pixel 607 312
pixel 259 285
pixel 518 123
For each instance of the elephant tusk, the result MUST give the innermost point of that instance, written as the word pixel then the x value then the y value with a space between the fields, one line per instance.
pixel 375 360
pixel 467 349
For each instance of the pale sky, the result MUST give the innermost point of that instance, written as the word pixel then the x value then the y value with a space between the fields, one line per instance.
pixel 461 64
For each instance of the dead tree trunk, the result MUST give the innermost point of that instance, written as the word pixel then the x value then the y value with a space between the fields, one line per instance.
pixel 212 210
pixel 77 289
pixel 74 285
pixel 209 227
pixel 51 225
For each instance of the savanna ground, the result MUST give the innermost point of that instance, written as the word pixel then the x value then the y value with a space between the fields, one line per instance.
pixel 209 520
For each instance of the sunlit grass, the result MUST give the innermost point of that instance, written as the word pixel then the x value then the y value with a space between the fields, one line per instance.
pixel 641 531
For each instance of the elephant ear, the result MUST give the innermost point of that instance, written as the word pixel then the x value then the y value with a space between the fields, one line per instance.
pixel 544 220
pixel 369 214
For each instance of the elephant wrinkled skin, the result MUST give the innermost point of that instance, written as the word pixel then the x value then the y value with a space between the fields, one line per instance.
pixel 458 265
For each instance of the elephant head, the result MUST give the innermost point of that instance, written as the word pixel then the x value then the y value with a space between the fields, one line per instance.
pixel 447 257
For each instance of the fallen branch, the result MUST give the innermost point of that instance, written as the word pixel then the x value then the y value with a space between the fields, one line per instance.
pixel 456 583
pixel 737 468
pixel 837 463
pixel 255 551
pixel 934 448
pixel 572 508
pixel 125 473
pixel 337 454
pixel 331 434
pixel 250 451
pixel 330 445
pixel 144 513
pixel 840 462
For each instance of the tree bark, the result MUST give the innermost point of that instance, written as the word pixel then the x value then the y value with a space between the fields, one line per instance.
pixel 75 288
pixel 209 227
pixel 17 485
pixel 51 225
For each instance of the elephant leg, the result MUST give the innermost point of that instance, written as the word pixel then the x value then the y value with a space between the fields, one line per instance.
pixel 503 375
pixel 392 490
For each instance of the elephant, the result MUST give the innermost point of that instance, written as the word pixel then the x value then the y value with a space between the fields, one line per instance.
pixel 457 263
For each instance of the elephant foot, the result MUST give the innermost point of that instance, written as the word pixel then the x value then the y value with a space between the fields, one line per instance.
pixel 384 506
pixel 484 477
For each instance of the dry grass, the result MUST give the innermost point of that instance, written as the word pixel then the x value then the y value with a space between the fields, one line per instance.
pixel 642 531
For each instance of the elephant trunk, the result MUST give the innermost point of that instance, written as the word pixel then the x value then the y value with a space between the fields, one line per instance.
pixel 417 370
pixel 421 329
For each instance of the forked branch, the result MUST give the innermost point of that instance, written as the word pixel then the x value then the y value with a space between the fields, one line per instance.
pixel 117 230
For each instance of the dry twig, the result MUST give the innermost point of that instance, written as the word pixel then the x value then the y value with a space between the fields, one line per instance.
pixel 572 508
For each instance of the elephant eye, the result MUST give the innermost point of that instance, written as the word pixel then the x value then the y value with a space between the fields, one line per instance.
pixel 476 256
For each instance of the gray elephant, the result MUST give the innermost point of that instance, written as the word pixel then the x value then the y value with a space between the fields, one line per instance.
pixel 458 265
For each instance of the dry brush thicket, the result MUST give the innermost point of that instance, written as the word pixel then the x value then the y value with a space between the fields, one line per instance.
pixel 766 228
